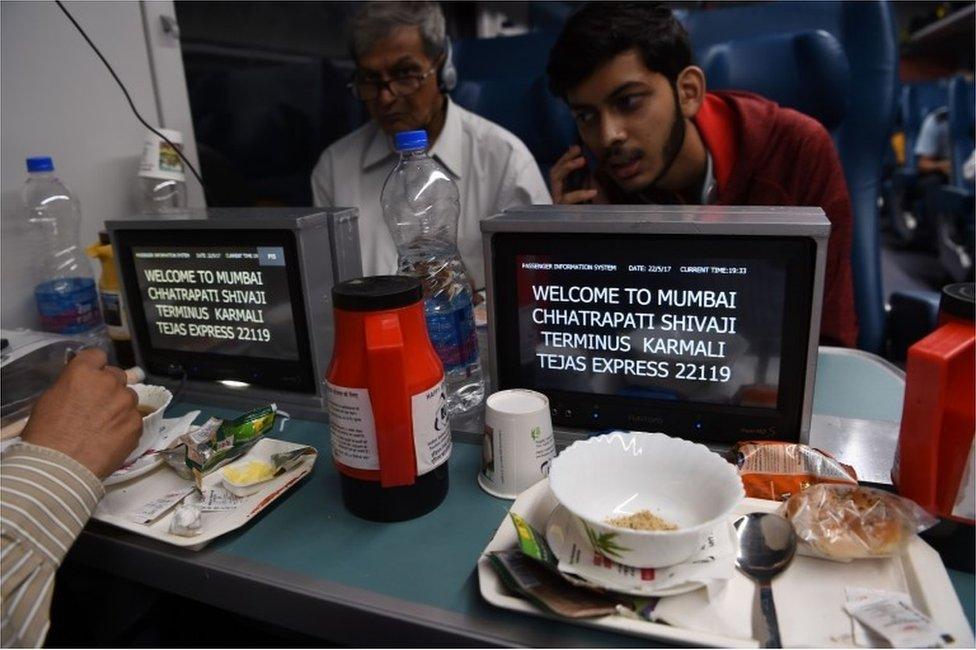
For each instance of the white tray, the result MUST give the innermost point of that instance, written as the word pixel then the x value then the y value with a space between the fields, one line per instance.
pixel 125 498
pixel 809 595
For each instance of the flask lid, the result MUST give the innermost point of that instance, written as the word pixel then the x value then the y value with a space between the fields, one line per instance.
pixel 40 164
pixel 958 300
pixel 377 292
pixel 410 140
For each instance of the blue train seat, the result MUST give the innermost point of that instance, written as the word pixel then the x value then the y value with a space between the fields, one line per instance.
pixel 861 136
pixel 503 79
pixel 910 220
pixel 952 205
pixel 807 71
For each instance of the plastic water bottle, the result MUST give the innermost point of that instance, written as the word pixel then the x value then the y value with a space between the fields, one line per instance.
pixel 421 208
pixel 162 181
pixel 65 292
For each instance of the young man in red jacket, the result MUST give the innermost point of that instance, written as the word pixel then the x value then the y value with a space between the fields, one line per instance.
pixel 641 108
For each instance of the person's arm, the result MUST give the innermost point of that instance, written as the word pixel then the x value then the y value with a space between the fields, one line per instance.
pixel 521 181
pixel 928 165
pixel 322 185
pixel 826 188
pixel 928 158
pixel 79 432
pixel 46 497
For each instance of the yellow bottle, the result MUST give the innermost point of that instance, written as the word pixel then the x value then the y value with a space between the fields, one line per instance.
pixel 112 302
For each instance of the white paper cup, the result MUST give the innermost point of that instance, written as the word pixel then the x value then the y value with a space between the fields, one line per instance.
pixel 158 398
pixel 517 446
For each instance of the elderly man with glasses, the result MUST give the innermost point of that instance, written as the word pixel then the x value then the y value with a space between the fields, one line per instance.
pixel 403 74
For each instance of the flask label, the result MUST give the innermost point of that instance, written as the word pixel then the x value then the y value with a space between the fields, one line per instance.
pixel 431 428
pixel 68 305
pixel 453 336
pixel 353 432
pixel 160 160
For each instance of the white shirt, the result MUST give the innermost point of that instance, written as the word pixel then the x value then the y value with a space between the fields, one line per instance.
pixel 493 169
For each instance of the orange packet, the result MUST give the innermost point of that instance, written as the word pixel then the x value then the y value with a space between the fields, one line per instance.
pixel 777 470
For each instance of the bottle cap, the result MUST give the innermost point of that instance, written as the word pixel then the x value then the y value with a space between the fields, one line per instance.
pixel 40 164
pixel 377 293
pixel 410 140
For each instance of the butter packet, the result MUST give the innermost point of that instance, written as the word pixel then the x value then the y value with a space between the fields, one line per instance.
pixel 246 476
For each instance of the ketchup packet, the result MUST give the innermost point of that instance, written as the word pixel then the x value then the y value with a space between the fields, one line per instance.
pixel 777 470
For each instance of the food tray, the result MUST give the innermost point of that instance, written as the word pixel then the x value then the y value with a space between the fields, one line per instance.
pixel 125 498
pixel 809 595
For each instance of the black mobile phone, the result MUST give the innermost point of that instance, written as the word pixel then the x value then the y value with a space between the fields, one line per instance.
pixel 576 178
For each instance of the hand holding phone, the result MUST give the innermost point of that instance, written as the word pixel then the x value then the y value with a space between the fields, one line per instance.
pixel 571 179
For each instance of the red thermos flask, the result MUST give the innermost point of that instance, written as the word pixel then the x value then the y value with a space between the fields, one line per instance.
pixel 934 463
pixel 390 431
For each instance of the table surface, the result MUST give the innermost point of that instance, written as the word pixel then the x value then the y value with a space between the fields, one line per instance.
pixel 308 565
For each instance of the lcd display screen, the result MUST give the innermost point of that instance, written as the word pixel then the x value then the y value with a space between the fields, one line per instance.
pixel 214 304
pixel 229 300
pixel 660 332
pixel 666 326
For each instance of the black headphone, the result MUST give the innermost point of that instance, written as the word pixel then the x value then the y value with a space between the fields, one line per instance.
pixel 447 75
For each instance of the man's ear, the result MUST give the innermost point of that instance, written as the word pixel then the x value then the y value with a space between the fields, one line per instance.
pixel 691 90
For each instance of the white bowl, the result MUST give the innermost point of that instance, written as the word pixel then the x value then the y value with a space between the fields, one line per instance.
pixel 159 398
pixel 620 473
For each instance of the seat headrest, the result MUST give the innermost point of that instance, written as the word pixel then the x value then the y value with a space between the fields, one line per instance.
pixel 807 71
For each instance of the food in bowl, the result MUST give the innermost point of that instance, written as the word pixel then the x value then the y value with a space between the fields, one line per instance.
pixel 153 401
pixel 621 473
pixel 642 520
pixel 146 409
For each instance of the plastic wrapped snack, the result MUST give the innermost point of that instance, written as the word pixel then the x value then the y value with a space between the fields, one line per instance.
pixel 842 522
pixel 777 470
pixel 218 442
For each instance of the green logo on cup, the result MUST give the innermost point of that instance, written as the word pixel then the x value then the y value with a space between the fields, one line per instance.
pixel 536 432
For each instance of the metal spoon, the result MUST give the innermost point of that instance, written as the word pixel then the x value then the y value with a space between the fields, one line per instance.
pixel 767 543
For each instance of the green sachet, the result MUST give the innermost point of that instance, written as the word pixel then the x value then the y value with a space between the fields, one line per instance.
pixel 533 543
pixel 548 590
pixel 221 444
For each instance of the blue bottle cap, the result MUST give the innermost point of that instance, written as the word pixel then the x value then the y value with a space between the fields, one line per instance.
pixel 410 140
pixel 40 164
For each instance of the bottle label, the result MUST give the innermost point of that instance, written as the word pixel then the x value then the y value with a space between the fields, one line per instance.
pixel 352 429
pixel 453 334
pixel 431 428
pixel 114 314
pixel 68 305
pixel 965 504
pixel 160 160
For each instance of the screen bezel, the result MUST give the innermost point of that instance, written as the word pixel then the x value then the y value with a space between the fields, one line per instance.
pixel 701 420
pixel 280 374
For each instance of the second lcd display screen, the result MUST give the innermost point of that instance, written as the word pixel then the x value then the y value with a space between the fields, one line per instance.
pixel 229 300
pixel 669 319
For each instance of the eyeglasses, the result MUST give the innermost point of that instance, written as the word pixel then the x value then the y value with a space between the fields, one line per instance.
pixel 400 86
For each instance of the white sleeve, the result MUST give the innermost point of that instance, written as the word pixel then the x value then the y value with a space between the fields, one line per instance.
pixel 927 143
pixel 523 183
pixel 323 183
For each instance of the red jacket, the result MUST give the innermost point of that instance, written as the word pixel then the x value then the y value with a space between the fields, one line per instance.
pixel 763 154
